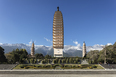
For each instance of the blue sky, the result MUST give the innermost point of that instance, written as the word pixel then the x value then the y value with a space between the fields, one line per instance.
pixel 92 21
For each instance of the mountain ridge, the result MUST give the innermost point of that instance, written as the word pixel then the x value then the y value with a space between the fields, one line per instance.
pixel 68 49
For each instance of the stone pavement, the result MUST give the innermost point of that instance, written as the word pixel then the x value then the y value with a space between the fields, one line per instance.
pixel 7 66
pixel 109 66
pixel 58 71
pixel 57 75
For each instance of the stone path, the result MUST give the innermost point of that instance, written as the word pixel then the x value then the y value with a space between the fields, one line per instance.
pixel 58 72
pixel 7 66
pixel 59 75
pixel 110 66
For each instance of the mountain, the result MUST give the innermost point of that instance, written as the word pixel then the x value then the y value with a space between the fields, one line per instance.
pixel 69 50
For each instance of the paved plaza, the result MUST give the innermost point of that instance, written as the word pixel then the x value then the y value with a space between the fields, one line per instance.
pixel 58 72
pixel 57 75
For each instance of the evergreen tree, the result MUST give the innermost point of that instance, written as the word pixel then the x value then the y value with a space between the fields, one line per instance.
pixel 2 56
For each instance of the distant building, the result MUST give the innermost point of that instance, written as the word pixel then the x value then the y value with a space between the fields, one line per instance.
pixel 58 34
pixel 32 50
pixel 84 49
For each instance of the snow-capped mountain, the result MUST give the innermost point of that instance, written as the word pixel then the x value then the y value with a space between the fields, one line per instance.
pixel 68 49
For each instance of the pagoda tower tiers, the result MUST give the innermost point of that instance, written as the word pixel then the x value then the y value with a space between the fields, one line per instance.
pixel 32 50
pixel 58 34
pixel 84 49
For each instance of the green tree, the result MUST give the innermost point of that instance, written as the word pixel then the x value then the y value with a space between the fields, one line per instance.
pixel 32 61
pixel 70 60
pixel 42 62
pixel 75 62
pixel 15 57
pixel 2 56
pixel 114 53
pixel 59 61
pixel 62 60
pixel 39 56
pixel 93 55
pixel 48 61
pixel 67 61
pixel 110 54
pixel 48 57
pixel 54 61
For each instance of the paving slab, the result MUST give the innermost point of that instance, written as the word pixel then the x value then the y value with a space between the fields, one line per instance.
pixel 57 75
pixel 57 71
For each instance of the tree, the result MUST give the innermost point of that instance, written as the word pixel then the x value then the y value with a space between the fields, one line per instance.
pixel 48 61
pixel 67 61
pixel 2 56
pixel 114 53
pixel 16 55
pixel 108 54
pixel 63 61
pixel 31 61
pixel 75 62
pixel 93 56
pixel 54 61
pixel 15 58
pixel 23 52
pixel 48 57
pixel 39 56
pixel 59 61
pixel 42 61
pixel 70 60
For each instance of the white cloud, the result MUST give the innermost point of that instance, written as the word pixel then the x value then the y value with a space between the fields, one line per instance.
pixel 30 42
pixel 48 40
pixel 109 43
pixel 76 42
pixel 1 43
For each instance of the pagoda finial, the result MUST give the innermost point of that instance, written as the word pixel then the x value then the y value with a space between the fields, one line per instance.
pixel 84 42
pixel 58 8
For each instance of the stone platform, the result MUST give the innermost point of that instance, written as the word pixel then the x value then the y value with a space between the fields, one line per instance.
pixel 57 75
pixel 58 72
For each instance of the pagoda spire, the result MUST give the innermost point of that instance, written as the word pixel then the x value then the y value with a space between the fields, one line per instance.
pixel 84 49
pixel 32 49
pixel 58 8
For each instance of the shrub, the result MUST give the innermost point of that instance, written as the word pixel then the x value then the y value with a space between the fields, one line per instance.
pixel 42 62
pixel 61 65
pixel 26 67
pixel 65 65
pixel 85 66
pixel 75 62
pixel 90 67
pixel 34 66
pixel 44 66
pixel 38 66
pixel 79 66
pixel 94 66
pixel 56 65
pixel 73 66
pixel 22 66
pixel 69 66
pixel 48 66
